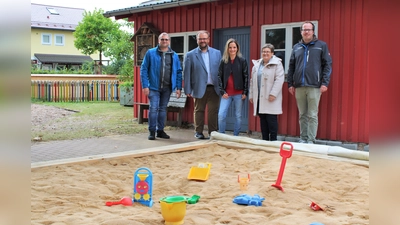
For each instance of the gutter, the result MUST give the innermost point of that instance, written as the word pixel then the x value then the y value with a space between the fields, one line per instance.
pixel 146 8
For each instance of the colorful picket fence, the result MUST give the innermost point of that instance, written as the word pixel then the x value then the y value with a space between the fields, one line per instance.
pixel 75 91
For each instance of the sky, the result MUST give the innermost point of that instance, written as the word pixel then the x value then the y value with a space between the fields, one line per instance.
pixel 90 5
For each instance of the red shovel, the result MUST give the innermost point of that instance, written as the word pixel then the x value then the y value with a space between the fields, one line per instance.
pixel 285 154
pixel 127 201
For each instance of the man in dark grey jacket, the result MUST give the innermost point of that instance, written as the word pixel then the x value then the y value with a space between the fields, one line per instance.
pixel 310 67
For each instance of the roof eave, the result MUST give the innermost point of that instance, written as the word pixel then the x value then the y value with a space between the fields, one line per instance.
pixel 53 28
pixel 123 13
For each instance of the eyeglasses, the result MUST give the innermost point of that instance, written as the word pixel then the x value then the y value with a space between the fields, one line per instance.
pixel 162 39
pixel 306 30
pixel 265 52
pixel 202 39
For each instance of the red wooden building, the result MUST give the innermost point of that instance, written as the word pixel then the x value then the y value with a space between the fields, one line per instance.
pixel 342 24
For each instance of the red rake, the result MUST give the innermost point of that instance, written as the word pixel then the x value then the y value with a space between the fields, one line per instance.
pixel 315 207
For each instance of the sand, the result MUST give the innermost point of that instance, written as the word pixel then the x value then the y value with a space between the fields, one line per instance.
pixel 76 193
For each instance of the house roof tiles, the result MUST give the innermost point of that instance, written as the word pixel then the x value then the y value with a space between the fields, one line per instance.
pixel 66 19
pixel 152 5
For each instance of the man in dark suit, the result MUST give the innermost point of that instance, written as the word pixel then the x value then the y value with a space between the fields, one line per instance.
pixel 201 83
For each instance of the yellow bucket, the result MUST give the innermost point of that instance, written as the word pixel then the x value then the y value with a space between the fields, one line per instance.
pixel 173 209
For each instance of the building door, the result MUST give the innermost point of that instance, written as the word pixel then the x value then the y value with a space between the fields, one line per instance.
pixel 242 36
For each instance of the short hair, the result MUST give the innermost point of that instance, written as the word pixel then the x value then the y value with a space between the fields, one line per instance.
pixel 270 46
pixel 162 34
pixel 313 26
pixel 202 32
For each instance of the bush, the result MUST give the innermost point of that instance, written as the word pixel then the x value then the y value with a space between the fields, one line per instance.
pixel 87 68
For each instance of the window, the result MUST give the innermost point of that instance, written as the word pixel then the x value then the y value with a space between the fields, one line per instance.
pixel 181 43
pixel 52 11
pixel 59 39
pixel 46 39
pixel 283 37
pixel 74 67
pixel 47 66
pixel 61 67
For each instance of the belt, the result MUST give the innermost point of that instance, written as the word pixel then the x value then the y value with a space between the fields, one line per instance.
pixel 210 85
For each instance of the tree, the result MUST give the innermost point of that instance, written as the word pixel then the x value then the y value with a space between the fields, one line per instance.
pixel 120 51
pixel 94 32
pixel 121 47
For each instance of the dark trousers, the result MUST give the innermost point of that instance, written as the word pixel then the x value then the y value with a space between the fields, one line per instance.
pixel 269 126
pixel 211 100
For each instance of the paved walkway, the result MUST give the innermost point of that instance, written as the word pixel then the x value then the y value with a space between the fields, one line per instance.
pixel 69 149
pixel 57 150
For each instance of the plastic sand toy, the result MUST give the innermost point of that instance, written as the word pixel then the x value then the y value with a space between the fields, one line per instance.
pixel 314 206
pixel 189 200
pixel 244 182
pixel 143 186
pixel 245 199
pixel 173 208
pixel 285 154
pixel 126 201
pixel 199 172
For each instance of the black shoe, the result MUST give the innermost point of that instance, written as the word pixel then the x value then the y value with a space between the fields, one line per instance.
pixel 152 135
pixel 162 134
pixel 199 136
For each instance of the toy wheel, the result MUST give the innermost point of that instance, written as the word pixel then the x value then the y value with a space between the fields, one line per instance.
pixel 146 197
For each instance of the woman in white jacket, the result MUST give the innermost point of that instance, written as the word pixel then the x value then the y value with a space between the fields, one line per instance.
pixel 265 92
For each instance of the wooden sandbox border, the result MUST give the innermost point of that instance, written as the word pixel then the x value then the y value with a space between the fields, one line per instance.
pixel 216 140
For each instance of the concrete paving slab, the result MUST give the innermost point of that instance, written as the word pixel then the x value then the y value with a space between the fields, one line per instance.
pixel 57 150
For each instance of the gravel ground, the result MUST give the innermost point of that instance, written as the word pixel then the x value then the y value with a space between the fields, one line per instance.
pixel 50 123
pixel 46 118
pixel 43 114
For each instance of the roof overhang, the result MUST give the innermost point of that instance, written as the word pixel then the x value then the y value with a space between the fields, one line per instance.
pixel 126 12
pixel 64 59
pixel 53 26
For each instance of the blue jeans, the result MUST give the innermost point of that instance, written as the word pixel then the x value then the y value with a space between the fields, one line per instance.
pixel 158 101
pixel 223 111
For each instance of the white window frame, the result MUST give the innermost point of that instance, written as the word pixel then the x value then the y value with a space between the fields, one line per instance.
pixel 289 35
pixel 50 37
pixel 185 36
pixel 63 39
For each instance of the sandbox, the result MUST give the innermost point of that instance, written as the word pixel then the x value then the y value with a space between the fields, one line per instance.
pixel 75 191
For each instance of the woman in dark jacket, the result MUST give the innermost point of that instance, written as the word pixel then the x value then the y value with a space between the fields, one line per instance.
pixel 233 84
